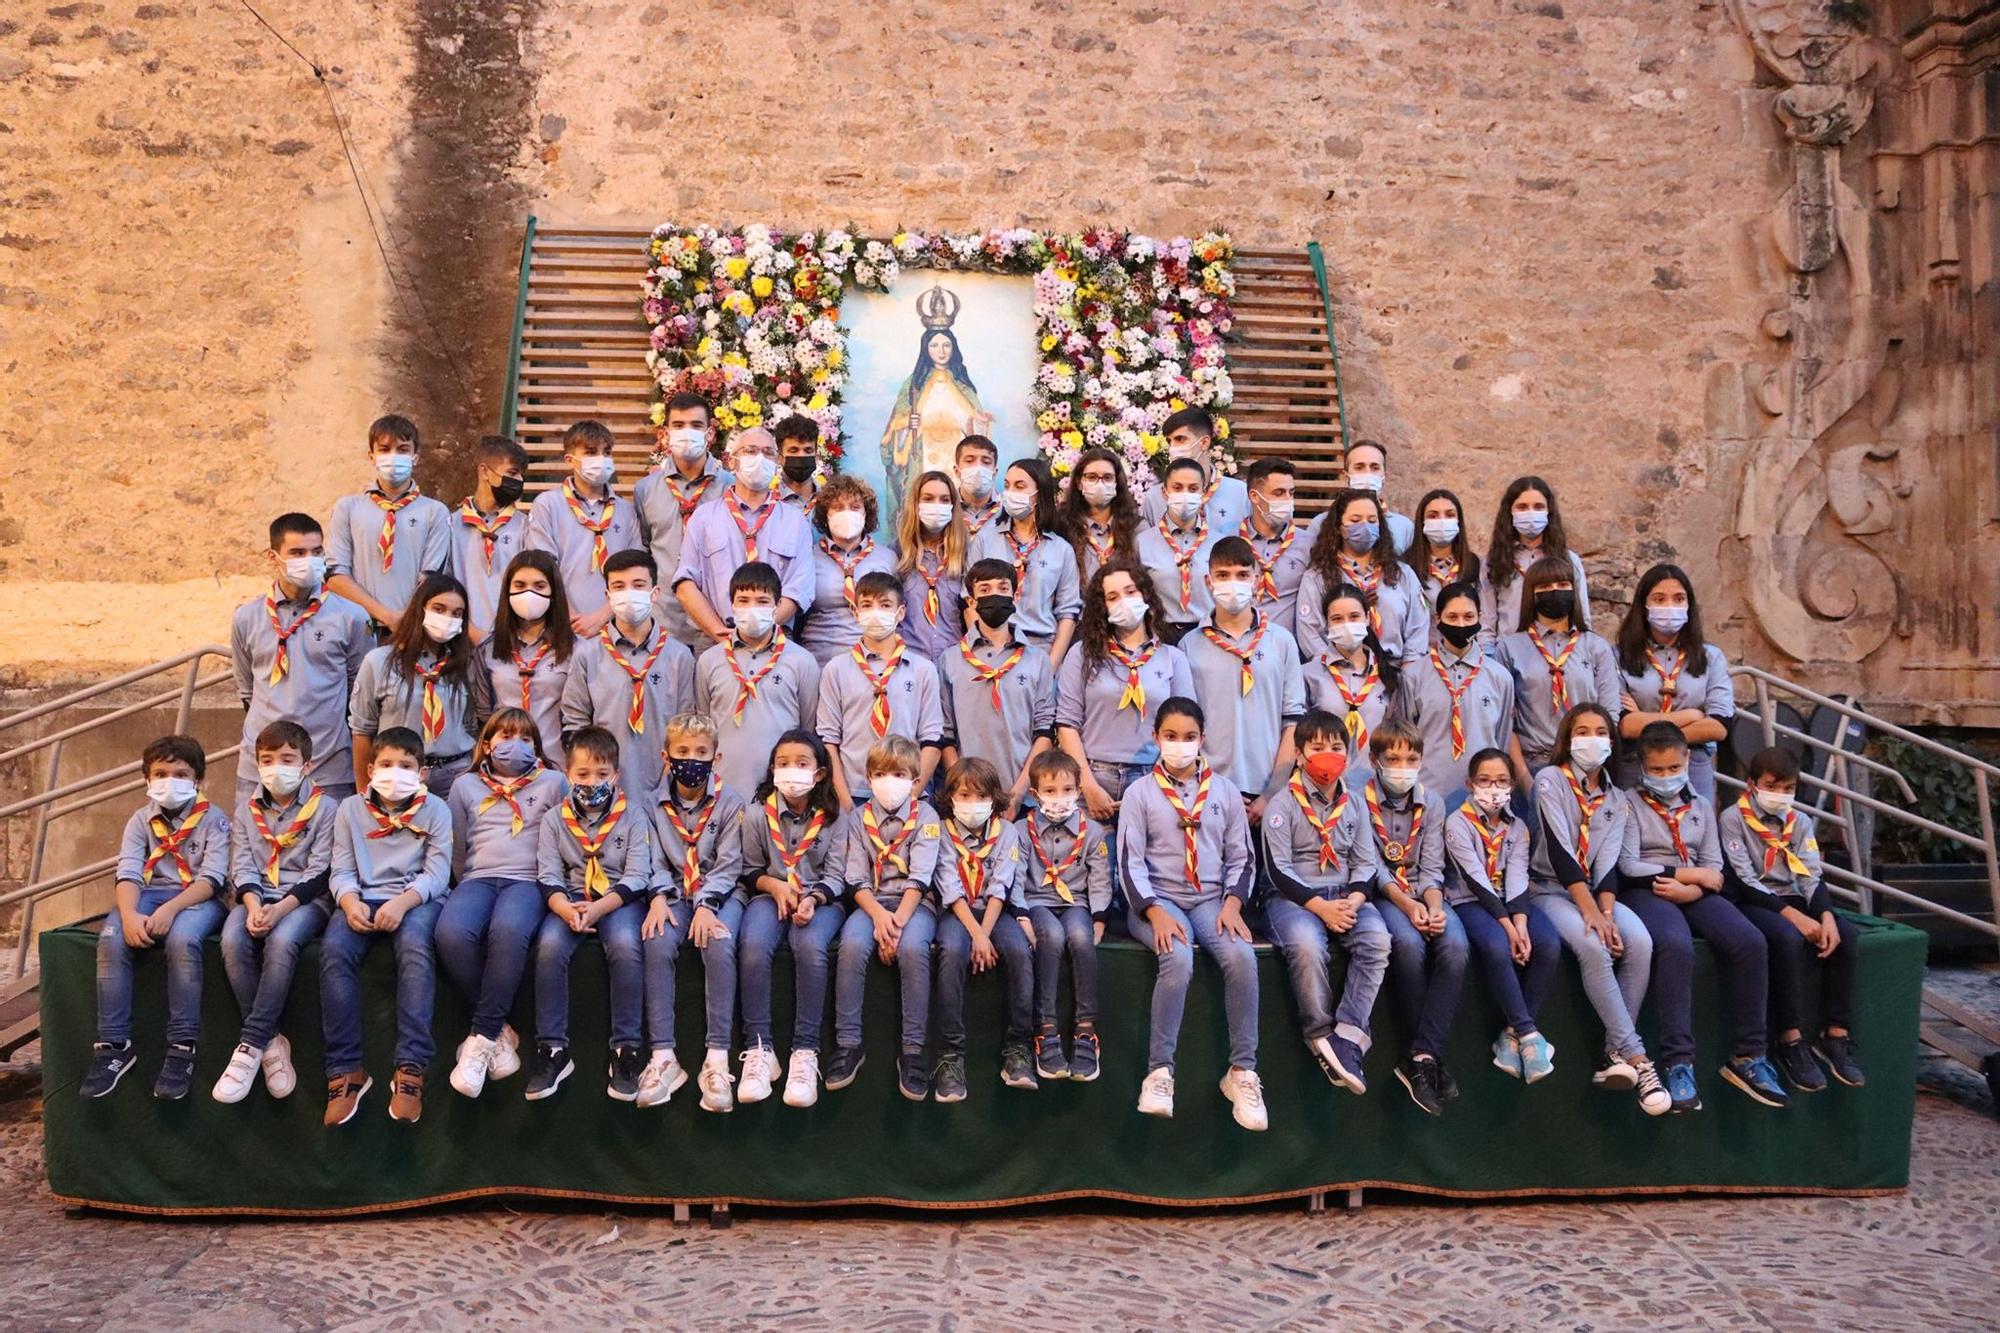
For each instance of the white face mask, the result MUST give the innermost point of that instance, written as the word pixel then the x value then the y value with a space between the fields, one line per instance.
pixel 631 605
pixel 976 481
pixel 1397 780
pixel 1057 808
pixel 1347 635
pixel 1182 505
pixel 754 471
pixel 1492 799
pixel 1126 612
pixel 687 442
pixel 281 780
pixel 1440 531
pixel 1531 522
pixel 1590 752
pixel 305 572
pixel 1667 619
pixel 754 622
pixel 890 790
pixel 1179 449
pixel 793 782
pixel 1179 754
pixel 1232 595
pixel 934 517
pixel 1776 804
pixel 1018 504
pixel 529 606
pixel 845 524
pixel 1099 492
pixel 170 793
pixel 395 784
pixel 394 469
pixel 973 814
pixel 597 469
pixel 877 623
pixel 441 628
pixel 1365 481
pixel 1280 511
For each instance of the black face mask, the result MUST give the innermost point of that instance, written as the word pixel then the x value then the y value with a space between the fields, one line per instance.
pixel 1555 603
pixel 691 772
pixel 507 490
pixel 798 471
pixel 995 610
pixel 1458 636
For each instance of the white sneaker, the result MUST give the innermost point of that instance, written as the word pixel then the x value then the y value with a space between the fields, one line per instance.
pixel 1246 1094
pixel 662 1077
pixel 760 1071
pixel 279 1078
pixel 504 1061
pixel 802 1079
pixel 239 1077
pixel 475 1061
pixel 715 1081
pixel 1653 1098
pixel 1616 1075
pixel 1156 1094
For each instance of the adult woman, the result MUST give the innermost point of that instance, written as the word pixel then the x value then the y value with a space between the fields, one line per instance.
pixel 526 658
pixel 1354 546
pixel 1033 540
pixel 1527 527
pixel 1100 511
pixel 1107 689
pixel 1671 673
pixel 1556 662
pixel 843 514
pixel 1353 679
pixel 1442 554
pixel 931 546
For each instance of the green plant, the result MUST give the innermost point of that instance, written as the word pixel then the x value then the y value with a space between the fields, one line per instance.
pixel 1945 795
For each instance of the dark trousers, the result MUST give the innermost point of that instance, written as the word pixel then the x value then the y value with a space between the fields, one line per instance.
pixel 1518 991
pixel 1790 961
pixel 1058 932
pixel 954 970
pixel 1740 955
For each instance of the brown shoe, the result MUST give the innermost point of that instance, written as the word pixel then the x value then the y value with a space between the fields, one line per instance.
pixel 406 1095
pixel 343 1096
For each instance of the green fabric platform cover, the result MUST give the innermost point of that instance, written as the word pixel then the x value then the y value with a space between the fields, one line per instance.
pixel 1001 1146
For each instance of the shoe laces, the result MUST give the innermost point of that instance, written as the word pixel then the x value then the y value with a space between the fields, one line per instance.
pixel 407 1084
pixel 1161 1080
pixel 715 1078
pixel 805 1064
pixel 1249 1088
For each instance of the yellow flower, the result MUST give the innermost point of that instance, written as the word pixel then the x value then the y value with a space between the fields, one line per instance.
pixel 760 286
pixel 743 402
pixel 736 268
pixel 1176 404
pixel 1063 368
pixel 834 356
pixel 816 403
pixel 1152 442
pixel 734 359
pixel 1047 421
pixel 725 418
pixel 1110 356
pixel 799 309
pixel 1066 274
pixel 1073 438
pixel 705 348
pixel 819 376
pixel 900 239
pixel 658 415
pixel 1222 428
pixel 1048 342
pixel 701 284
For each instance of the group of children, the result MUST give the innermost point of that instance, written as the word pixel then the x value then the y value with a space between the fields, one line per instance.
pixel 1042 711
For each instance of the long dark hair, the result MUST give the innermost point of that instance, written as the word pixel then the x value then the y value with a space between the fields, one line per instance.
pixel 1551 569
pixel 821 797
pixel 1503 552
pixel 1327 546
pixel 556 631
pixel 955 367
pixel 1094 629
pixel 1634 633
pixel 409 642
pixel 1392 675
pixel 1048 521
pixel 1418 557
pixel 1124 509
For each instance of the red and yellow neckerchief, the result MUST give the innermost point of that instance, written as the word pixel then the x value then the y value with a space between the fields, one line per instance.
pixel 595 882
pixel 789 860
pixel 930 568
pixel 1396 855
pixel 1134 694
pixel 1267 569
pixel 1444 568
pixel 848 563
pixel 1184 556
pixel 1329 859
pixel 889 850
pixel 290 837
pixel 488 529
pixel 1492 842
pixel 983 674
pixel 433 707
pixel 878 715
pixel 525 668
pixel 736 509
pixel 1670 677
pixel 1336 667
pixel 972 858
pixel 1242 655
pixel 507 789
pixel 282 661
pixel 746 684
pixel 1671 817
pixel 1099 548
pixel 690 837
pixel 1021 553
pixel 1052 873
pixel 386 543
pixel 169 841
pixel 686 499
pixel 596 527
pixel 1366 575
pixel 1190 815
pixel 977 519
pixel 1587 807
pixel 1558 687
pixel 1777 842
pixel 389 822
pixel 635 718
pixel 1457 693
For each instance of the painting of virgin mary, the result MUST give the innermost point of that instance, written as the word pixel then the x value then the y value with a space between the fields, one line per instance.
pixel 936 407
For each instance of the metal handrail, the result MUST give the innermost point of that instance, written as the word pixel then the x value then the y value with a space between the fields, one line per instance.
pixel 90 692
pixel 1865 717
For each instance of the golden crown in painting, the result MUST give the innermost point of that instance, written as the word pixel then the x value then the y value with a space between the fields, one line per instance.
pixel 937 308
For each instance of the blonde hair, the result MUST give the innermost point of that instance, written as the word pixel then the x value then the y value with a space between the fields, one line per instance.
pixel 893 753
pixel 687 726
pixel 910 535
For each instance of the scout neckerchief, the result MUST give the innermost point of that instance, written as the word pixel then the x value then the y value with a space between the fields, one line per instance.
pixel 1135 689
pixel 386 543
pixel 293 833
pixel 789 860
pixel 1671 816
pixel 1052 873
pixel 1558 687
pixel 889 850
pixel 507 789
pixel 282 661
pixel 170 839
pixel 1243 654
pixel 1022 553
pixel 878 715
pixel 1444 568
pixel 746 685
pixel 1586 808
pixel 930 568
pixel 1457 693
pixel 636 717
pixel 983 674
pixel 686 499
pixel 1329 859
pixel 1670 677
pixel 596 527
pixel 1777 842
pixel 488 529
pixel 1357 728
pixel 977 519
pixel 1491 842
pixel 690 837
pixel 1184 556
pixel 1366 575
pixel 736 509
pixel 1101 548
pixel 848 563
pixel 388 822
pixel 1397 855
pixel 1267 570
pixel 595 882
pixel 972 859
pixel 433 708
pixel 525 668
pixel 1190 816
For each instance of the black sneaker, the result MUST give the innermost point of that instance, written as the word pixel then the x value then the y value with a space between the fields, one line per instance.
pixel 840 1070
pixel 176 1072
pixel 627 1063
pixel 912 1079
pixel 108 1064
pixel 1837 1053
pixel 1796 1063
pixel 1447 1085
pixel 1016 1069
pixel 549 1067
pixel 1420 1079
pixel 1049 1062
pixel 1083 1056
pixel 948 1081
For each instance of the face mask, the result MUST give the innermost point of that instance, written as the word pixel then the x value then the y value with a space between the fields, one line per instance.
pixel 754 622
pixel 1555 603
pixel 395 784
pixel 1667 619
pixel 1776 804
pixel 1361 537
pixel 1325 767
pixel 972 814
pixel 1179 754
pixel 1181 506
pixel 596 469
pixel 1126 612
pixel 1232 596
pixel 976 481
pixel 1397 780
pixel 1280 511
pixel 529 606
pixel 754 472
pixel 1100 492
pixel 394 469
pixel 691 772
pixel 441 628
pixel 1492 799
pixel 507 491
pixel 1590 752
pixel 305 572
pixel 687 442
pixel 593 795
pixel 1365 481
pixel 512 756
pixel 1057 808
pixel 1347 635
pixel 890 790
pixel 1531 522
pixel 877 623
pixel 799 470
pixel 995 610
pixel 1665 787
pixel 631 605
pixel 281 780
pixel 1178 449
pixel 934 517
pixel 1458 636
pixel 1018 504
pixel 792 781
pixel 1440 531
pixel 170 793
pixel 845 524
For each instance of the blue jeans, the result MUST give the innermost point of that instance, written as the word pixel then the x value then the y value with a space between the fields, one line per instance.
pixel 1740 954
pixel 1517 991
pixel 260 969
pixel 660 959
pixel 1426 974
pixel 191 926
pixel 555 945
pixel 341 950
pixel 1616 986
pixel 913 966
pixel 483 938
pixel 1071 931
pixel 1115 778
pixel 812 950
pixel 718 971
pixel 1238 962
pixel 1304 940
pixel 1017 972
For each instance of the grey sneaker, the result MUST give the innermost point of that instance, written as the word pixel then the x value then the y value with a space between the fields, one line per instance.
pixel 1016 1069
pixel 948 1080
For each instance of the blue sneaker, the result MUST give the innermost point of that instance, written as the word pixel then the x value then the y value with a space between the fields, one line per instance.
pixel 1538 1057
pixel 1341 1060
pixel 1507 1054
pixel 1758 1081
pixel 1681 1087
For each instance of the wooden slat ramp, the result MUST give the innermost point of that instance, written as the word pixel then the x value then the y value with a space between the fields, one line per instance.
pixel 583 355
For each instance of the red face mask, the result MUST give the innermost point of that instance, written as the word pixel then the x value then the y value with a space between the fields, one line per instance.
pixel 1326 767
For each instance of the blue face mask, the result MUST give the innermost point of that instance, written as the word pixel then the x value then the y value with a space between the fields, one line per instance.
pixel 512 756
pixel 1361 536
pixel 1667 787
pixel 395 469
